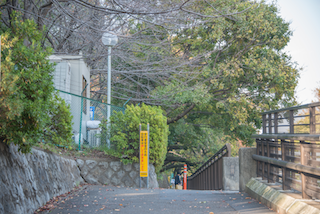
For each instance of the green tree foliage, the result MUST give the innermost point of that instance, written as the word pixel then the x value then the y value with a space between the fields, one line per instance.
pixel 58 129
pixel 245 72
pixel 242 70
pixel 125 133
pixel 26 103
pixel 213 74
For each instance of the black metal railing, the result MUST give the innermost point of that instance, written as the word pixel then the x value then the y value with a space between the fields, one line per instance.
pixel 288 151
pixel 209 175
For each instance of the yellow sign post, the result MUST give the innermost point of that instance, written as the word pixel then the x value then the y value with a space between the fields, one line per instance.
pixel 144 159
pixel 144 154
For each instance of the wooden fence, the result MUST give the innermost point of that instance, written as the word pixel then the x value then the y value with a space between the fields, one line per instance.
pixel 288 151
pixel 209 175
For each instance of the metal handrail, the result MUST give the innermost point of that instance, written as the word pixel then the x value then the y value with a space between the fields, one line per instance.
pixel 226 149
pixel 289 165
pixel 209 175
pixel 293 108
pixel 300 137
pixel 298 167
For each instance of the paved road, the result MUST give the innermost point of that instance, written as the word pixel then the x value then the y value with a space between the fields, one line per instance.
pixel 107 199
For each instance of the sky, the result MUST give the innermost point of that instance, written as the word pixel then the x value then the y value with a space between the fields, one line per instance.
pixel 304 45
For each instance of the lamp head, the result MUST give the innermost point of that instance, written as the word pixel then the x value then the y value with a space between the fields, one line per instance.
pixel 109 39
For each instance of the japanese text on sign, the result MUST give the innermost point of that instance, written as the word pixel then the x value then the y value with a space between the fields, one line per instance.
pixel 144 154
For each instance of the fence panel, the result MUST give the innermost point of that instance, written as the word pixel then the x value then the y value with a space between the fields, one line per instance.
pixel 288 151
pixel 87 116
pixel 209 175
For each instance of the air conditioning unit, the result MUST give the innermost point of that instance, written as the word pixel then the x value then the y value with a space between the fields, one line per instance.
pixel 93 137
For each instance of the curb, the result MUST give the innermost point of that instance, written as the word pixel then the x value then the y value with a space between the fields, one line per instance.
pixel 279 202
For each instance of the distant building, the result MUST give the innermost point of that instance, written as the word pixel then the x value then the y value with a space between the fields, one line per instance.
pixel 72 75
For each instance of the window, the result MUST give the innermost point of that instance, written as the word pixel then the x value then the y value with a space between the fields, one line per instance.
pixel 84 94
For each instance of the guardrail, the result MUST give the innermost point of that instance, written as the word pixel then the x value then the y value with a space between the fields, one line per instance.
pixel 209 175
pixel 291 157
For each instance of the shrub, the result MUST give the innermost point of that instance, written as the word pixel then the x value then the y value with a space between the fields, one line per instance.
pixel 125 134
pixel 26 89
pixel 58 130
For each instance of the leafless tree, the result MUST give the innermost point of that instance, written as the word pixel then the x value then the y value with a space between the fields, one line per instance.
pixel 146 57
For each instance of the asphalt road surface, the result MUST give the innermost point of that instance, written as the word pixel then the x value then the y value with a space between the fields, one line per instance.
pixel 108 199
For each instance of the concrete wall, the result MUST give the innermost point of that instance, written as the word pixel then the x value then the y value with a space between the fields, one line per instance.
pixel 230 171
pixel 100 171
pixel 247 166
pixel 279 202
pixel 28 181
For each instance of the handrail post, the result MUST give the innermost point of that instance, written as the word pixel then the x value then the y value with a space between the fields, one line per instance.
pixel 312 120
pixel 303 161
pixel 284 169
pixel 276 150
pixel 268 155
pixel 291 122
pixel 268 145
pixel 258 145
pixel 291 117
pixel 228 149
pixel 215 173
pixel 264 124
pixel 262 154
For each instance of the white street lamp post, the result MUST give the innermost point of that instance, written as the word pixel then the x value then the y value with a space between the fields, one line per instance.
pixel 109 40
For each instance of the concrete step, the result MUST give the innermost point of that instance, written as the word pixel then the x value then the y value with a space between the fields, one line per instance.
pixel 283 202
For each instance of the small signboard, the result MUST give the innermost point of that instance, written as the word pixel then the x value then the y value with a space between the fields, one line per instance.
pixel 144 154
pixel 92 108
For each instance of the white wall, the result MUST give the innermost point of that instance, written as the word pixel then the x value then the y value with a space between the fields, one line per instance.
pixel 68 77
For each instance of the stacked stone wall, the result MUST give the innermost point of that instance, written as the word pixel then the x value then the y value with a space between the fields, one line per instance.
pixel 28 181
pixel 99 171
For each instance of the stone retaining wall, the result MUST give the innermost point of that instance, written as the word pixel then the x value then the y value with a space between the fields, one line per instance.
pixel 28 181
pixel 100 171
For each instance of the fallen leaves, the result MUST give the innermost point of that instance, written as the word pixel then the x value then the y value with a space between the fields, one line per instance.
pixel 52 203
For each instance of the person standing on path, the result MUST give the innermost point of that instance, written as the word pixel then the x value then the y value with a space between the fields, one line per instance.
pixel 177 181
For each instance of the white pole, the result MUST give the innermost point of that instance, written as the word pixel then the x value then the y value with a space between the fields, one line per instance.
pixel 109 94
